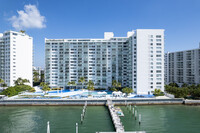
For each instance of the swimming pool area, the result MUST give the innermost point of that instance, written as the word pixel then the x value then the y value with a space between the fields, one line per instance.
pixel 77 94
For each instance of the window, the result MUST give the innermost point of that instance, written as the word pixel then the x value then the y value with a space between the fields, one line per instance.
pixel 158 36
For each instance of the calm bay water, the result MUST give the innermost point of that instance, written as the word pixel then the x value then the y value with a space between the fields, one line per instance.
pixel 164 119
pixel 155 119
pixel 33 119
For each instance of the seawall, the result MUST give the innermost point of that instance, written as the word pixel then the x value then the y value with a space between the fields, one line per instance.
pixel 191 102
pixel 81 102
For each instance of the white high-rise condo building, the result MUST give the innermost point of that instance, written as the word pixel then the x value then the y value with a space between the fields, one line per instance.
pixel 136 61
pixel 16 57
pixel 183 67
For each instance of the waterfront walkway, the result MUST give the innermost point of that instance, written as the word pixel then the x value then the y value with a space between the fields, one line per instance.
pixel 116 120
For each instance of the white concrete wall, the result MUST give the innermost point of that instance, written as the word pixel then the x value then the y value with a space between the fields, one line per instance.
pixel 143 60
pixel 24 58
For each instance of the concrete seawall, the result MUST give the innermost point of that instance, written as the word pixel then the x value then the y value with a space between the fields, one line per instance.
pixel 191 102
pixel 38 102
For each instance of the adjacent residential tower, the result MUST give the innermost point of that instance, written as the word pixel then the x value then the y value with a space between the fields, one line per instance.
pixel 16 57
pixel 183 67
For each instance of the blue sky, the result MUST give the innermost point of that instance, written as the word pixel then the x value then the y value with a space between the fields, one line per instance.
pixel 91 18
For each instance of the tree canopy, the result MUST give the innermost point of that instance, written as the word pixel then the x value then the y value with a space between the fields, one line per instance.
pixel 11 91
pixel 184 91
pixel 45 86
pixel 90 85
pixel 127 90
pixel 21 81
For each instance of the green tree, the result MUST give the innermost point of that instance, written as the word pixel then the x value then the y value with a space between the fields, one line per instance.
pixel 35 76
pixel 184 85
pixel 115 85
pixel 42 77
pixel 173 85
pixel 195 93
pixel 82 81
pixel 45 86
pixel 157 91
pixel 72 83
pixel 127 90
pixel 69 84
pixel 22 31
pixel 2 83
pixel 11 91
pixel 21 81
pixel 32 90
pixel 113 89
pixel 90 85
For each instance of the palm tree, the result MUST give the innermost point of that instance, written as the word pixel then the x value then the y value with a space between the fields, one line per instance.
pixel 1 81
pixel 45 86
pixel 22 31
pixel 115 85
pixel 157 91
pixel 25 81
pixel 21 81
pixel 81 80
pixel 90 85
pixel 35 76
pixel 72 83
pixel 4 85
pixel 69 84
pixel 127 90
pixel 42 84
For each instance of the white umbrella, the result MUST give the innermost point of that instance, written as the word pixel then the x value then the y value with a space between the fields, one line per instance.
pixel 48 127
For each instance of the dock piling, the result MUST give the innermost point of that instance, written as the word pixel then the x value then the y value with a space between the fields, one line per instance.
pixel 81 118
pixel 135 114
pixel 140 118
pixel 76 127
pixel 48 127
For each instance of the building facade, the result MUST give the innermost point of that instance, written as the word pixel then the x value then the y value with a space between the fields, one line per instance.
pixel 136 61
pixel 16 57
pixel 183 67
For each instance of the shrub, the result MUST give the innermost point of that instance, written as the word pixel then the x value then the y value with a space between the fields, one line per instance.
pixel 11 91
pixel 32 90
pixel 127 90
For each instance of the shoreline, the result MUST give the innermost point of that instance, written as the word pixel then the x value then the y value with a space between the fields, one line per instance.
pixel 96 102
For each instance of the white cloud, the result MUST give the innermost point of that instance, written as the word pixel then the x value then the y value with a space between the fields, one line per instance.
pixel 29 18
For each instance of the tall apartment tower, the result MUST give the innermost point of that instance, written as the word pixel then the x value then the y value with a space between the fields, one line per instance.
pixel 16 57
pixel 136 61
pixel 182 67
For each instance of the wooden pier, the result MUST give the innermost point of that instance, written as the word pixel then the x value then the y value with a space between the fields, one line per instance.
pixel 116 120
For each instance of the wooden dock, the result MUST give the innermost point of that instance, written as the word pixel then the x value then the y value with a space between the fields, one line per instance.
pixel 116 120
